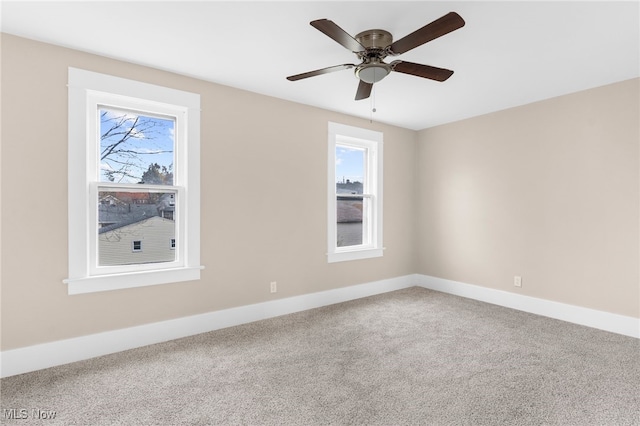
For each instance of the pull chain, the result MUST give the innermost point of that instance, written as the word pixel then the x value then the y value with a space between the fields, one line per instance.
pixel 373 103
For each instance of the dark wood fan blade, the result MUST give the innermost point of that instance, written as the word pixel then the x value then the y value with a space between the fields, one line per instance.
pixel 441 26
pixel 338 34
pixel 320 72
pixel 425 71
pixel 364 90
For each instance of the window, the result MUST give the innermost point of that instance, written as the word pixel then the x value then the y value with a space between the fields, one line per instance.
pixel 355 193
pixel 133 183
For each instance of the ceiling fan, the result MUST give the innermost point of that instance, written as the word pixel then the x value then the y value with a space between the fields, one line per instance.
pixel 373 46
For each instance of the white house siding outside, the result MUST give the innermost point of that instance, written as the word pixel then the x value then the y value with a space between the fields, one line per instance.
pixel 115 247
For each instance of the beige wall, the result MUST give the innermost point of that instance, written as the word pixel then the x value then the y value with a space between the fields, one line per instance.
pixel 263 202
pixel 549 191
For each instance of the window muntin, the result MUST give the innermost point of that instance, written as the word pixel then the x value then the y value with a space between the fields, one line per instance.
pixel 174 120
pixel 355 193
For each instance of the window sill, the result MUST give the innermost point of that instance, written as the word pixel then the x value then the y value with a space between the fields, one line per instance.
pixel 343 256
pixel 121 281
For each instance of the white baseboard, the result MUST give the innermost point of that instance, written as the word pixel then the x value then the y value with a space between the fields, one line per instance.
pixel 601 320
pixel 37 357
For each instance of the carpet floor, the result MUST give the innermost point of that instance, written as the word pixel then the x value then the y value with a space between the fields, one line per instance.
pixel 408 357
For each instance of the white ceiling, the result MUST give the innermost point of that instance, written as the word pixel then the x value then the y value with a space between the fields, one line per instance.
pixel 507 54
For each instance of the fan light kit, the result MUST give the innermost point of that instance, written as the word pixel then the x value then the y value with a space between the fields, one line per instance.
pixel 373 46
pixel 372 72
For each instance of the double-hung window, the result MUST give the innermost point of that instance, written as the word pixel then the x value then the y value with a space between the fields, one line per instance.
pixel 133 183
pixel 354 193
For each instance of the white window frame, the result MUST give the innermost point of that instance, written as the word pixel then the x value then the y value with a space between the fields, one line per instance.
pixel 133 246
pixel 87 92
pixel 372 142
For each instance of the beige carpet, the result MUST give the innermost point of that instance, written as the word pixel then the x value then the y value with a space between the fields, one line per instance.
pixel 409 357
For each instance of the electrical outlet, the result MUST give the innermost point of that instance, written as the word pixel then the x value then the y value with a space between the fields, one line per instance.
pixel 274 287
pixel 517 281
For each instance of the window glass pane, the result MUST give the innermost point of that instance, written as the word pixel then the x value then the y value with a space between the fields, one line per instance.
pixel 350 166
pixel 349 169
pixel 134 227
pixel 349 218
pixel 135 148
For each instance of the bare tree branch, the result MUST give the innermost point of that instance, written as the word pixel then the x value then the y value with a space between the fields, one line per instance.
pixel 126 138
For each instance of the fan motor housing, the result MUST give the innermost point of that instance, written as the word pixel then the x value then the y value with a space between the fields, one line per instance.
pixel 373 69
pixel 374 39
